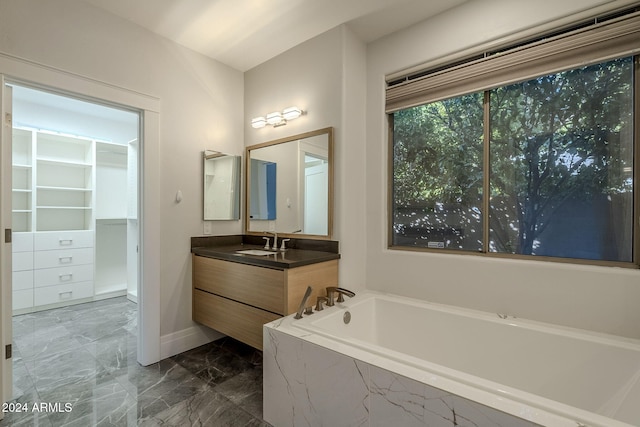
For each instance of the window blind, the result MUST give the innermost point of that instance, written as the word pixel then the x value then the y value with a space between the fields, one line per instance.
pixel 598 43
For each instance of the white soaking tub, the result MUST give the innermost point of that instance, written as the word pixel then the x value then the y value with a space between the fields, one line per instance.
pixel 540 373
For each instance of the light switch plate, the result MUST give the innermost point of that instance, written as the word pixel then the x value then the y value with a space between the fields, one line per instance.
pixel 207 227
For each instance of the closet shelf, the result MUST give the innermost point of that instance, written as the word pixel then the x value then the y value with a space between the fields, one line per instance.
pixel 49 188
pixel 22 211
pixel 67 163
pixel 64 207
pixel 20 190
pixel 20 166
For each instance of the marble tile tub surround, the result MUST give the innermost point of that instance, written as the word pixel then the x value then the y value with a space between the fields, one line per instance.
pixel 308 385
pixel 86 355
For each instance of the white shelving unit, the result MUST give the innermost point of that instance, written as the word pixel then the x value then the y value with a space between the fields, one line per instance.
pixel 132 220
pixel 64 182
pixel 111 219
pixel 22 178
pixel 69 219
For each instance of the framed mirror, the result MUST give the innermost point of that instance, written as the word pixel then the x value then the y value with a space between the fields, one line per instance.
pixel 289 186
pixel 221 195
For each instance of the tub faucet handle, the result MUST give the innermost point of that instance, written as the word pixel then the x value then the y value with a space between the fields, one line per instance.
pixel 319 302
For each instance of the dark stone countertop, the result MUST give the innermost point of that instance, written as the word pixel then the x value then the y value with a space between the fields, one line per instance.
pixel 300 254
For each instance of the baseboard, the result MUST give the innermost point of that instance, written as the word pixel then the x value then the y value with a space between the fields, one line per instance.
pixel 132 297
pixel 186 339
pixel 110 294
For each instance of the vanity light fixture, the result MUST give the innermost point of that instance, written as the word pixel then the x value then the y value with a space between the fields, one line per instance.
pixel 291 113
pixel 277 118
pixel 258 122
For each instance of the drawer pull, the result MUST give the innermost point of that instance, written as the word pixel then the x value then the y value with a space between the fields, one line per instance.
pixel 66 242
pixel 66 277
pixel 65 259
pixel 65 295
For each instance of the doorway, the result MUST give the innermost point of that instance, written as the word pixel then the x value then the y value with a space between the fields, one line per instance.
pixel 74 217
pixel 74 201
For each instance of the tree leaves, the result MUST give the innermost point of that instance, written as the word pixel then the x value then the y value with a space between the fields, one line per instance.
pixel 559 140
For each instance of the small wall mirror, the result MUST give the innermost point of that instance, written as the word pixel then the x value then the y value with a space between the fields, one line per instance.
pixel 290 185
pixel 221 186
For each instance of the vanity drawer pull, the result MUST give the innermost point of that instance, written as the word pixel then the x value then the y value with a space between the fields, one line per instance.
pixel 66 242
pixel 66 277
pixel 65 259
pixel 65 295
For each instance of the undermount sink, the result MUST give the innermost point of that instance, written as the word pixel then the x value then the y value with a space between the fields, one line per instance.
pixel 258 252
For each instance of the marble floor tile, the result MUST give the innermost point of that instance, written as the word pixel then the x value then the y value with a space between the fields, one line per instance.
pixel 44 341
pixel 212 363
pixel 86 355
pixel 106 404
pixel 75 366
pixel 205 409
pixel 115 352
pixel 161 386
pixel 245 390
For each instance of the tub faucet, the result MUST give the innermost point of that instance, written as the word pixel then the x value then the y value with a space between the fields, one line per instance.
pixel 303 303
pixel 332 290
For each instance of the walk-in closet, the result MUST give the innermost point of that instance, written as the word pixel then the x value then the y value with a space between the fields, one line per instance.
pixel 75 224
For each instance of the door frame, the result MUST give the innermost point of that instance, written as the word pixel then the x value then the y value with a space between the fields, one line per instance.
pixel 24 72
pixel 6 333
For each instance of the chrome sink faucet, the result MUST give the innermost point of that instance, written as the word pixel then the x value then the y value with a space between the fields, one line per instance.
pixel 275 240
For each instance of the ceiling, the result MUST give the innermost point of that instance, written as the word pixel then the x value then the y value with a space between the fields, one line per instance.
pixel 29 97
pixel 246 33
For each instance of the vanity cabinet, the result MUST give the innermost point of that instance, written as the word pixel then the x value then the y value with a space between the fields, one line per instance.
pixel 236 299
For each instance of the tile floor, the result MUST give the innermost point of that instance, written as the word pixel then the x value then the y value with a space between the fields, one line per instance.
pixel 85 356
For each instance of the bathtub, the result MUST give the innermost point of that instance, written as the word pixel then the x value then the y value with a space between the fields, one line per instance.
pixel 536 373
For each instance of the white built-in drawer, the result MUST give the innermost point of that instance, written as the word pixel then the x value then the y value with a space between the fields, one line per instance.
pixel 22 261
pixel 21 242
pixel 63 257
pixel 63 275
pixel 22 280
pixel 49 240
pixel 22 299
pixel 62 293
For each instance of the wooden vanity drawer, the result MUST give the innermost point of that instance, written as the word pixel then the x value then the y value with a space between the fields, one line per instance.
pixel 232 318
pixel 257 286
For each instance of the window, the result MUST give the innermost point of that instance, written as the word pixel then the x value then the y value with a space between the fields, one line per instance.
pixel 437 174
pixel 542 166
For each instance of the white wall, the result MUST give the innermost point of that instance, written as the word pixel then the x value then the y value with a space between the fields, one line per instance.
pixel 598 298
pixel 325 77
pixel 201 108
